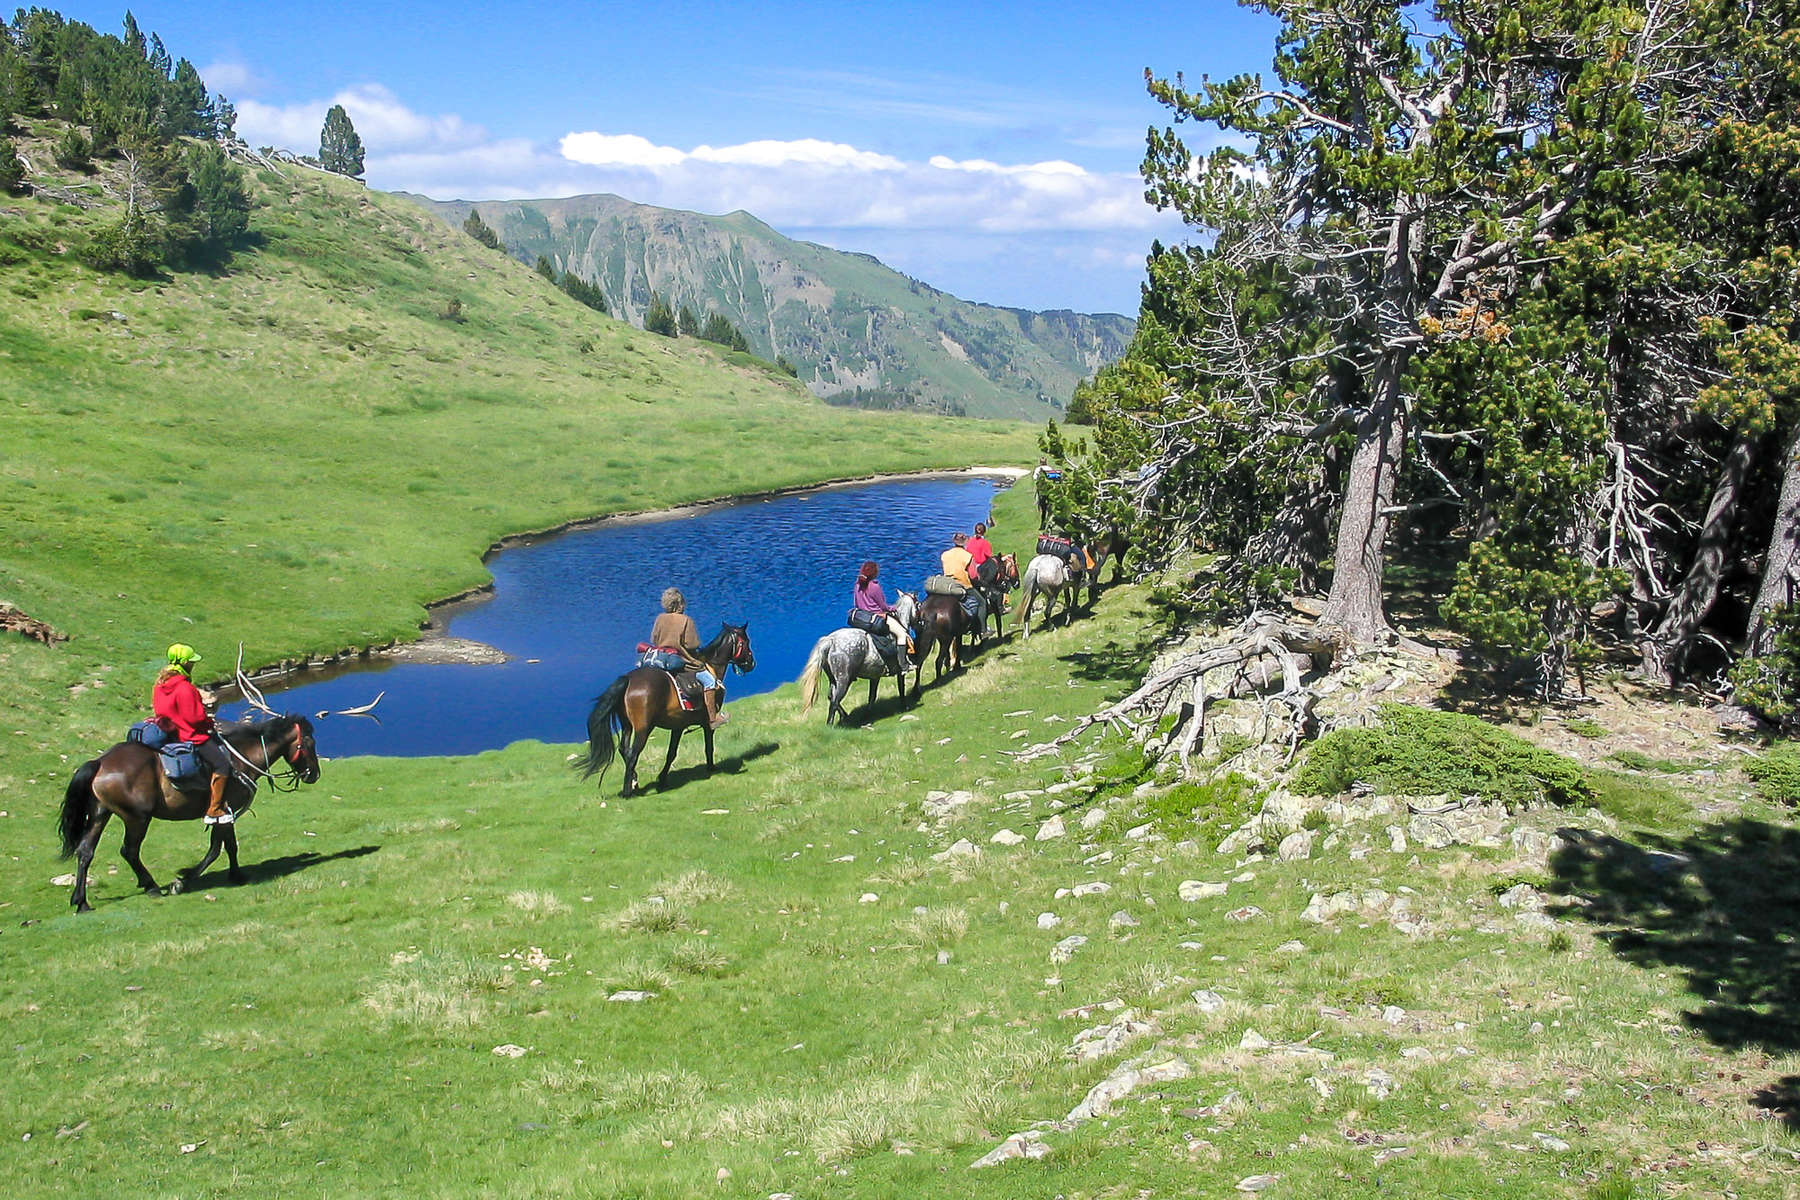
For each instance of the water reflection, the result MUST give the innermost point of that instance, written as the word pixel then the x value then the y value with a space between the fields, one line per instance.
pixel 570 610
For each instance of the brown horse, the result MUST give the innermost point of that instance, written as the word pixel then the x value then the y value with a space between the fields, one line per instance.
pixel 129 780
pixel 943 623
pixel 645 698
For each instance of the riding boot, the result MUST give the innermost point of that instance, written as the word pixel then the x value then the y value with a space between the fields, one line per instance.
pixel 714 718
pixel 216 811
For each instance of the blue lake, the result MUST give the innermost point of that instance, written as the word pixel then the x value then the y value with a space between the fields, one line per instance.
pixel 570 609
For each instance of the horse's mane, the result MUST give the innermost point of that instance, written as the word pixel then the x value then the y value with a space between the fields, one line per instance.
pixel 259 728
pixel 708 650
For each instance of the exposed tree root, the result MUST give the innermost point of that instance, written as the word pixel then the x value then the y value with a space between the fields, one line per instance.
pixel 14 621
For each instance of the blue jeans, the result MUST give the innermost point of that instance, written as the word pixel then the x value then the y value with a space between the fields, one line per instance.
pixel 706 679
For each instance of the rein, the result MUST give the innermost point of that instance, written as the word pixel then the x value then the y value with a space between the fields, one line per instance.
pixel 287 782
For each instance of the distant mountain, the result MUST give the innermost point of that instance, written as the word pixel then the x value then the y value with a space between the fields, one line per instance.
pixel 859 332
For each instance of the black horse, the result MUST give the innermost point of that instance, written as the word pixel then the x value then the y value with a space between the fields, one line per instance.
pixel 129 780
pixel 646 698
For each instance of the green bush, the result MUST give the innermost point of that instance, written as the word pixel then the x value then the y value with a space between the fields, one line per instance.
pixel 1418 752
pixel 131 245
pixel 1585 727
pixel 12 171
pixel 73 151
pixel 1207 811
pixel 1777 773
pixel 1769 684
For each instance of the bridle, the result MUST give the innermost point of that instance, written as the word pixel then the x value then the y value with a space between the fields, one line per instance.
pixel 741 656
pixel 288 781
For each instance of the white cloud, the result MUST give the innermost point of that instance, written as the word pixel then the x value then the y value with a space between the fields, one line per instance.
pixel 618 150
pixel 231 77
pixel 381 120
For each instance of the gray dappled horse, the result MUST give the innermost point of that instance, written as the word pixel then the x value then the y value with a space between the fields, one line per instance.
pixel 1050 576
pixel 848 654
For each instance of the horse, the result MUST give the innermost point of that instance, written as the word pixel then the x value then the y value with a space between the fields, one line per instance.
pixel 645 698
pixel 129 781
pixel 1049 574
pixel 942 623
pixel 846 655
pixel 1004 582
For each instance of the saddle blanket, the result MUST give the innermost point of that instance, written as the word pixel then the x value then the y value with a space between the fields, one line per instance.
pixel 688 693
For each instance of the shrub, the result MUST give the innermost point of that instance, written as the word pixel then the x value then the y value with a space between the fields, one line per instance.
pixel 1205 811
pixel 453 310
pixel 1769 684
pixel 73 151
pixel 1585 727
pixel 1777 773
pixel 1420 752
pixel 129 245
pixel 12 171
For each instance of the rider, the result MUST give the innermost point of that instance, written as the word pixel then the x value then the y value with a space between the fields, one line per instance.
pixel 984 564
pixel 179 707
pixel 674 630
pixel 956 561
pixel 870 598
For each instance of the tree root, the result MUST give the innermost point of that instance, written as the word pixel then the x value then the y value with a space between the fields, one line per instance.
pixel 1296 649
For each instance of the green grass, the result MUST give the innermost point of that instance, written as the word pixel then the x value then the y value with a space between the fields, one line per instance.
pixel 330 1027
pixel 1777 773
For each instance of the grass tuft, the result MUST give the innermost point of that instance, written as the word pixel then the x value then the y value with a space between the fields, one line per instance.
pixel 536 904
pixel 442 992
pixel 653 915
pixel 936 926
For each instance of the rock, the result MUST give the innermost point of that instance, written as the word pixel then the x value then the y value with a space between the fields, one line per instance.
pixel 1553 1144
pixel 1093 818
pixel 1007 837
pixel 1019 1145
pixel 68 880
pixel 1121 1083
pixel 1537 1027
pixel 630 996
pixel 1102 1041
pixel 1322 908
pixel 1247 913
pixel 1537 920
pixel 962 848
pixel 509 1050
pixel 1380 1084
pixel 1291 948
pixel 1253 1040
pixel 1393 1014
pixel 1194 889
pixel 1297 845
pixel 1417 1052
pixel 1123 920
pixel 1048 920
pixel 1051 829
pixel 1140 833
pixel 1396 839
pixel 1257 1183
pixel 1536 846
pixel 1208 1001
pixel 1065 950
pixel 1523 897
pixel 939 805
pixel 1096 888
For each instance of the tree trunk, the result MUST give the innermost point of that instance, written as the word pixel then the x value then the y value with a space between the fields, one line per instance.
pixel 1665 651
pixel 1356 604
pixel 1781 567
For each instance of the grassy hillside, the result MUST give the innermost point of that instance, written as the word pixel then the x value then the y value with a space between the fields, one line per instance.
pixel 416 991
pixel 305 448
pixel 858 331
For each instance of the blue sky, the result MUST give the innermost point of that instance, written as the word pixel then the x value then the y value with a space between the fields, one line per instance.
pixel 990 149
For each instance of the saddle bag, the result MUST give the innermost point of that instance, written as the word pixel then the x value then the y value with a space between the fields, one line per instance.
pixel 943 585
pixel 181 762
pixel 148 733
pixel 868 622
pixel 1060 547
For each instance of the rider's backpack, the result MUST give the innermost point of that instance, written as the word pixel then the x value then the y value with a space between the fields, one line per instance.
pixel 181 761
pixel 662 658
pixel 868 622
pixel 943 585
pixel 1061 547
pixel 148 733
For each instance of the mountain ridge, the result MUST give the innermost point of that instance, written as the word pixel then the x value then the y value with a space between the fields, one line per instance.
pixel 858 331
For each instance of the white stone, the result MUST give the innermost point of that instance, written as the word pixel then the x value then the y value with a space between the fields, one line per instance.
pixel 509 1050
pixel 1051 829
pixel 1123 920
pixel 867 898
pixel 961 848
pixel 1208 1001
pixel 1393 1014
pixel 1194 889
pixel 1379 1082
pixel 1093 817
pixel 1048 920
pixel 1007 837
pixel 1121 1083
pixel 1019 1145
pixel 1396 839
pixel 1253 1040
pixel 630 996
pixel 1140 833
pixel 1096 888
pixel 1418 1052
pixel 1257 1183
pixel 1297 845
pixel 1291 948
pixel 1553 1144
pixel 1065 950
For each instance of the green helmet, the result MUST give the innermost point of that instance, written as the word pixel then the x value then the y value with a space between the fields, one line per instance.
pixel 183 655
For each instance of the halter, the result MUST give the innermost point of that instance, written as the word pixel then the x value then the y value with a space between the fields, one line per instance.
pixel 740 647
pixel 288 782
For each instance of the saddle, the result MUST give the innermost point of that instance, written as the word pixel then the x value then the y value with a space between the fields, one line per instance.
pixel 687 688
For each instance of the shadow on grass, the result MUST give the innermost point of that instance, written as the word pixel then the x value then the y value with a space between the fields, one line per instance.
pixel 734 764
pixel 1719 906
pixel 272 868
pixel 1781 1100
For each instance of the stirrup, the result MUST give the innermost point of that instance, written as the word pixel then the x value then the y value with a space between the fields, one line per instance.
pixel 229 818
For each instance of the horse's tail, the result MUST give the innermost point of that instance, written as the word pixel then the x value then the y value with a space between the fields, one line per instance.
pixel 809 675
pixel 78 803
pixel 605 725
pixel 1027 589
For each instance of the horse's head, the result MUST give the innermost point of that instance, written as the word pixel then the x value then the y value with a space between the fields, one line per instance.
pixel 303 754
pixel 906 608
pixel 1009 569
pixel 740 655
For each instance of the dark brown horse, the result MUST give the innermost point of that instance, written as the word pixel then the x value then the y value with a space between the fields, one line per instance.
pixel 943 623
pixel 129 780
pixel 645 698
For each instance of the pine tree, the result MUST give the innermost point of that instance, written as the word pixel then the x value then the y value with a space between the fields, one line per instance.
pixel 482 232
pixel 12 171
pixel 582 292
pixel 546 268
pixel 659 318
pixel 221 208
pixel 686 323
pixel 340 149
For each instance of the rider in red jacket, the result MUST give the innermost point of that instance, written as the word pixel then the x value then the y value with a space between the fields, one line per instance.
pixel 179 708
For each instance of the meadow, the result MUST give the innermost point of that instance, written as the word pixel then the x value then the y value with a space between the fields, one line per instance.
pixel 845 965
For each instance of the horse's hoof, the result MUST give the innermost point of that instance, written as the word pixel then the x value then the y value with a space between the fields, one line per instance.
pixel 84 906
pixel 175 889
